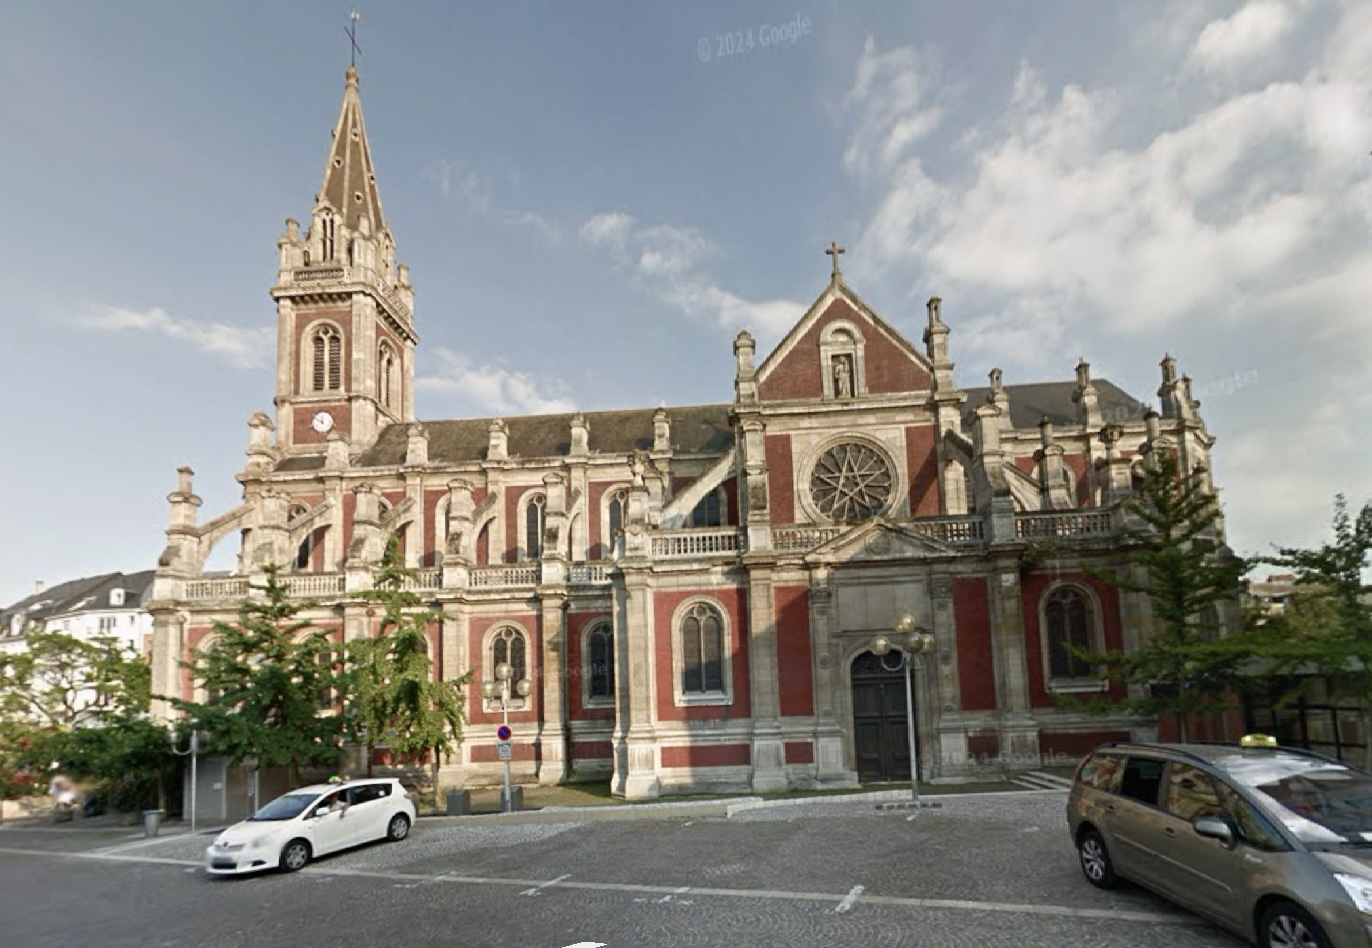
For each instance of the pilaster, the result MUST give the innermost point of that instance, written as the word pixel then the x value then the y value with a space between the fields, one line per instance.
pixel 1018 729
pixel 829 680
pixel 553 736
pixel 636 756
pixel 769 753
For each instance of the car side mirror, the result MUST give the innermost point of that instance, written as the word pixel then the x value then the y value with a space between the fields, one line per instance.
pixel 1212 827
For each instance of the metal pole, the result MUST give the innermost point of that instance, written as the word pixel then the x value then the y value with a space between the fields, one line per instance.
pixel 195 752
pixel 910 724
pixel 508 805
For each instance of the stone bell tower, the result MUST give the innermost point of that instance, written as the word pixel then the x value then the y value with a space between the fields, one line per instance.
pixel 345 324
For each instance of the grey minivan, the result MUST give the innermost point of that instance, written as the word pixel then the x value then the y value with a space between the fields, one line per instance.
pixel 1272 843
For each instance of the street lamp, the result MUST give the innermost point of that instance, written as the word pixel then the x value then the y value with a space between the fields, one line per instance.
pixel 912 642
pixel 501 688
pixel 194 752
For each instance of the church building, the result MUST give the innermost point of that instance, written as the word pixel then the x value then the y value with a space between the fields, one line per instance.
pixel 692 592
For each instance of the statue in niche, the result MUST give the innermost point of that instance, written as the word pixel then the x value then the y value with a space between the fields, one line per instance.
pixel 843 376
pixel 455 538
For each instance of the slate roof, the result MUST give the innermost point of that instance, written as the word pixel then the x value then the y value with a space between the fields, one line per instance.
pixel 1030 402
pixel 89 594
pixel 697 429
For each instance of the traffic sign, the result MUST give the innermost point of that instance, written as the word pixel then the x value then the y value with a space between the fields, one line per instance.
pixel 503 732
pixel 504 751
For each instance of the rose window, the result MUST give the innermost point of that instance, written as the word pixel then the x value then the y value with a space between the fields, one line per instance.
pixel 851 482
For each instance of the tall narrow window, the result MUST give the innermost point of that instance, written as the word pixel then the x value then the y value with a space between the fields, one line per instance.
pixel 385 376
pixel 327 362
pixel 709 512
pixel 600 653
pixel 1069 621
pixel 507 648
pixel 702 651
pixel 328 226
pixel 533 527
pixel 619 516
pixel 305 552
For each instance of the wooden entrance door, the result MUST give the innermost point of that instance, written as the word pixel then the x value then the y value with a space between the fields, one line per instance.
pixel 880 735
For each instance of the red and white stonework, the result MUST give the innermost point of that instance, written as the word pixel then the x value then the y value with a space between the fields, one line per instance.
pixel 692 591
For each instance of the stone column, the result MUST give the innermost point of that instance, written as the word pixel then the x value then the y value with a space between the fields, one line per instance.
pixel 829 679
pixel 636 757
pixel 951 756
pixel 553 731
pixel 1018 730
pixel 769 753
pixel 168 648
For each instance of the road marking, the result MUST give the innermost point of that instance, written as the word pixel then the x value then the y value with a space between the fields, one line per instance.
pixel 847 904
pixel 321 871
pixel 538 888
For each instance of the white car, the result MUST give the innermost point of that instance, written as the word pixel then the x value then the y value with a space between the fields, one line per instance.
pixel 313 821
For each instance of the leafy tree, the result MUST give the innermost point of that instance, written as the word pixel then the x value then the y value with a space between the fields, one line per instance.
pixel 1187 666
pixel 393 698
pixel 268 678
pixel 60 681
pixel 1326 631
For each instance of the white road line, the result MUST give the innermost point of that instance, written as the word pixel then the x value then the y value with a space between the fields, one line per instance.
pixel 563 882
pixel 538 888
pixel 848 900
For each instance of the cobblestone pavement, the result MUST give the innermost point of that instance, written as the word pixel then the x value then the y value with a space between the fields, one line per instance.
pixel 988 871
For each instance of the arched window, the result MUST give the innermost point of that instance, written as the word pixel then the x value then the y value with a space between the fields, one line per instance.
pixel 327 362
pixel 710 511
pixel 535 517
pixel 1211 626
pixel 617 510
pixel 600 663
pixel 386 376
pixel 508 647
pixel 1069 619
pixel 329 234
pixel 702 651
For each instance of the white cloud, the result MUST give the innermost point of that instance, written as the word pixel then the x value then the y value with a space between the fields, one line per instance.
pixel 667 261
pixel 474 191
pixel 1250 32
pixel 492 389
pixel 248 347
pixel 890 92
pixel 1087 217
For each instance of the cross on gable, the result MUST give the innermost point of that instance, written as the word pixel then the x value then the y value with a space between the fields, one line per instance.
pixel 834 250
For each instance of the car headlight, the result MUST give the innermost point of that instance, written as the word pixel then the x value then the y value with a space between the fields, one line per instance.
pixel 1359 889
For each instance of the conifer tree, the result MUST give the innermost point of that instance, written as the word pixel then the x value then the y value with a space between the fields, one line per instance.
pixel 269 680
pixel 1186 667
pixel 393 697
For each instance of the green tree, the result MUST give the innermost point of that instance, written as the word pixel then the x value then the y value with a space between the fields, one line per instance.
pixel 269 680
pixel 393 697
pixel 1187 666
pixel 1326 631
pixel 61 681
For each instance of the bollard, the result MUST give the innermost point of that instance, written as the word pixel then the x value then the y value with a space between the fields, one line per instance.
pixel 152 822
pixel 516 801
pixel 459 803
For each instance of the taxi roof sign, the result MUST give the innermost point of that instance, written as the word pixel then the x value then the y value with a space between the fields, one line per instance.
pixel 1257 740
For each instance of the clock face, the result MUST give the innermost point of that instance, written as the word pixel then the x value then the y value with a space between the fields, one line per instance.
pixel 323 421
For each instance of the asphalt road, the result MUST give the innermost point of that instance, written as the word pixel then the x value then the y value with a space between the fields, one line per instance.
pixel 983 871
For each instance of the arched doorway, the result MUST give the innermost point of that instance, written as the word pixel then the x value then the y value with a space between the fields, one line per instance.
pixel 881 741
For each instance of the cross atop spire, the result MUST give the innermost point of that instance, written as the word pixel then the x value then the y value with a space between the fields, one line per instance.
pixel 351 30
pixel 834 250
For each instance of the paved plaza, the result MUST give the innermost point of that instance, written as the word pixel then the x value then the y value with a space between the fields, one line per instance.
pixel 987 870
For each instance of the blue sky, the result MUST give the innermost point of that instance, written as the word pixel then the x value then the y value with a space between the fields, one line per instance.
pixel 592 207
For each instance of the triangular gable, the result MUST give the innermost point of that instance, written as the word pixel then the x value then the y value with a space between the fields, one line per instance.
pixel 877 539
pixel 891 364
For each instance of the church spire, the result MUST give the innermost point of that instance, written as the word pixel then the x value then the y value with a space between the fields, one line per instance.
pixel 349 186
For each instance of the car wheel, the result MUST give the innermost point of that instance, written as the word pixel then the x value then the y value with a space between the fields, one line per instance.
pixel 398 828
pixel 295 855
pixel 1287 925
pixel 1095 860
